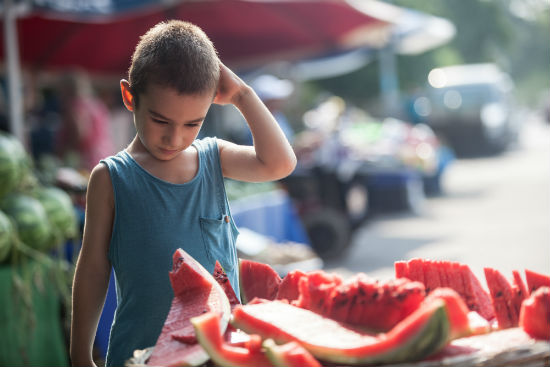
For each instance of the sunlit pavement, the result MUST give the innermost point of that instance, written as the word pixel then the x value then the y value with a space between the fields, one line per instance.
pixel 495 211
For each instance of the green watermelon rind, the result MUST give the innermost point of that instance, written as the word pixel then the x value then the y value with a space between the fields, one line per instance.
pixel 428 339
pixel 215 348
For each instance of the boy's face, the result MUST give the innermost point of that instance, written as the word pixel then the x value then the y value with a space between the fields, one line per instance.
pixel 167 122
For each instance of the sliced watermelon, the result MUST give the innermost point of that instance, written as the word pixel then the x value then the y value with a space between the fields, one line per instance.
pixel 196 291
pixel 223 281
pixel 315 290
pixel 372 304
pixel 420 334
pixel 209 335
pixel 519 291
pixel 289 287
pixel 501 295
pixel 416 270
pixel 476 297
pixel 431 275
pixel 257 280
pixel 534 316
pixel 457 311
pixel 290 354
pixel 401 269
pixel 536 280
pixel 434 274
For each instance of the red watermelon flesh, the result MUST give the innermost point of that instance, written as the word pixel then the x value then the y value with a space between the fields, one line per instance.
pixel 431 275
pixel 519 291
pixel 434 274
pixel 401 269
pixel 443 276
pixel 207 328
pixel 376 305
pixel 476 297
pixel 534 316
pixel 290 354
pixel 289 288
pixel 315 290
pixel 257 280
pixel 536 280
pixel 223 281
pixel 457 311
pixel 501 295
pixel 196 292
pixel 416 270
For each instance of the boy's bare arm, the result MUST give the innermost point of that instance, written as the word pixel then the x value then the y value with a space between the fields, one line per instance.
pixel 93 268
pixel 271 157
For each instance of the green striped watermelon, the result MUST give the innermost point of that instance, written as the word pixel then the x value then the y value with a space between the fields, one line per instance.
pixel 31 220
pixel 6 236
pixel 60 211
pixel 11 156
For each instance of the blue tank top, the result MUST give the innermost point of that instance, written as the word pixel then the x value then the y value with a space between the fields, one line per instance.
pixel 152 219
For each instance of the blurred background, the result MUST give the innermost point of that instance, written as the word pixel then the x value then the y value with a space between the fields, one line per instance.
pixel 422 129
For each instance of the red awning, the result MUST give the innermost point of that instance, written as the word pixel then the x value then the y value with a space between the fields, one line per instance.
pixel 246 33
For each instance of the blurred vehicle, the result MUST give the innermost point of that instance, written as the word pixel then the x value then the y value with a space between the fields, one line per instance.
pixel 471 107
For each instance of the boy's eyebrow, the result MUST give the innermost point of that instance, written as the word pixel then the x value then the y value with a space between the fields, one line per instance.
pixel 160 116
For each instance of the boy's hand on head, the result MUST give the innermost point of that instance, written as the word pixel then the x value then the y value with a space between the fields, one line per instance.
pixel 231 88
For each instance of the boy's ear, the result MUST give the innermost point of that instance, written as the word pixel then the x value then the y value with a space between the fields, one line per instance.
pixel 127 96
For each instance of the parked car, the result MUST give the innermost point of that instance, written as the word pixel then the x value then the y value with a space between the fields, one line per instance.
pixel 471 107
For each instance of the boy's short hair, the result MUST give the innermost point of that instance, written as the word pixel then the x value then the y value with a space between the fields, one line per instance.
pixel 174 54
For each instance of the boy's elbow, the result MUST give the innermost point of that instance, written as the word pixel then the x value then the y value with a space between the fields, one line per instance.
pixel 287 166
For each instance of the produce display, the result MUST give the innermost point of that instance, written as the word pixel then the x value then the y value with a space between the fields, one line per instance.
pixel 42 216
pixel 317 318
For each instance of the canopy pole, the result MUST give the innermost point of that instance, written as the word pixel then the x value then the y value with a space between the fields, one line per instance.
pixel 15 91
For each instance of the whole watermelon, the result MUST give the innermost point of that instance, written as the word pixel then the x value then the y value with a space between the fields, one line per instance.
pixel 31 220
pixel 6 236
pixel 60 211
pixel 10 163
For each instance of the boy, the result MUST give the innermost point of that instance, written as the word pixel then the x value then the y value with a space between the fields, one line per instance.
pixel 165 190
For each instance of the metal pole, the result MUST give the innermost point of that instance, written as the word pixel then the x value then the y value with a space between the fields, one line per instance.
pixel 15 91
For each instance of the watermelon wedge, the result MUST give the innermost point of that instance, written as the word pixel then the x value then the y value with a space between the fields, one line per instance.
pixel 290 354
pixel 423 332
pixel 195 290
pixel 536 280
pixel 223 281
pixel 434 274
pixel 534 316
pixel 209 335
pixel 257 280
pixel 289 287
pixel 502 298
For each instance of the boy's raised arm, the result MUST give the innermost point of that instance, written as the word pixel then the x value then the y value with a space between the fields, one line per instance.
pixel 93 268
pixel 271 157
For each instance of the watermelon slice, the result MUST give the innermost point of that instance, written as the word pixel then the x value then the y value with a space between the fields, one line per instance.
pixel 401 269
pixel 209 335
pixel 290 354
pixel 457 311
pixel 423 332
pixel 434 274
pixel 315 290
pixel 289 287
pixel 372 304
pixel 502 298
pixel 223 281
pixel 257 280
pixel 476 297
pixel 196 291
pixel 534 316
pixel 536 280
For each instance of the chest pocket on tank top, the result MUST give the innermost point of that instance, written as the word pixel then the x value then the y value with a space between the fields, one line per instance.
pixel 219 237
